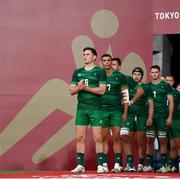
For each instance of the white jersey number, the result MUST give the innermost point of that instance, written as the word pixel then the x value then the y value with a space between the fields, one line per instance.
pixel 86 82
pixel 108 87
pixel 154 92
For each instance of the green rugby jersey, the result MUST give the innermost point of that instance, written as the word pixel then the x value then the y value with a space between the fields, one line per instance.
pixel 140 107
pixel 160 92
pixel 176 114
pixel 112 99
pixel 92 78
pixel 131 83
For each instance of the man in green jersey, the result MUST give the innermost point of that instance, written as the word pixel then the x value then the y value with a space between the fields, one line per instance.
pixel 125 132
pixel 111 103
pixel 174 132
pixel 178 87
pixel 89 82
pixel 140 114
pixel 163 114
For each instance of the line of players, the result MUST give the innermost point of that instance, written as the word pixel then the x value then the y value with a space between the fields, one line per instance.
pixel 150 110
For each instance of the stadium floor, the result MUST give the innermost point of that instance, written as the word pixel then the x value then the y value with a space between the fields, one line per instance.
pixel 87 174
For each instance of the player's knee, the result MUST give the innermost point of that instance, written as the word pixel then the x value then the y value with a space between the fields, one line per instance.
pixel 124 131
pixel 162 135
pixel 80 138
pixel 150 135
pixel 116 138
pixel 98 138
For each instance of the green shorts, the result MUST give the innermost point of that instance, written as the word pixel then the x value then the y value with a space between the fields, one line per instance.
pixel 175 128
pixel 159 126
pixel 111 118
pixel 88 117
pixel 136 123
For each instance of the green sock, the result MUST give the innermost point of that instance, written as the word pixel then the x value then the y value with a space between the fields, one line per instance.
pixel 105 158
pixel 80 159
pixel 163 159
pixel 100 157
pixel 178 163
pixel 172 162
pixel 130 160
pixel 149 160
pixel 141 161
pixel 118 158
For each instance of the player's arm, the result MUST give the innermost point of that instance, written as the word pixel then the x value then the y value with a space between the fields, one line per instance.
pixel 137 95
pixel 125 103
pixel 74 89
pixel 96 90
pixel 171 109
pixel 151 112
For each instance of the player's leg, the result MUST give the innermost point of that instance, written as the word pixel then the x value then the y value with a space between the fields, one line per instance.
pixel 176 138
pixel 82 123
pixel 96 123
pixel 150 136
pixel 117 145
pixel 105 137
pixel 140 133
pixel 162 136
pixel 127 135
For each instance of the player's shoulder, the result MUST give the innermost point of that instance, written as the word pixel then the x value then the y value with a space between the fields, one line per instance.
pixel 176 92
pixel 79 70
pixel 99 69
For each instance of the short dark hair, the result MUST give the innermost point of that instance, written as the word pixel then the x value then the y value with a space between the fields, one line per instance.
pixel 138 69
pixel 106 55
pixel 91 49
pixel 156 67
pixel 118 60
pixel 169 75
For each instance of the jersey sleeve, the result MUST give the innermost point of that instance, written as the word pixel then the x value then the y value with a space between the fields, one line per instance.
pixel 123 80
pixel 149 93
pixel 74 78
pixel 102 76
pixel 169 90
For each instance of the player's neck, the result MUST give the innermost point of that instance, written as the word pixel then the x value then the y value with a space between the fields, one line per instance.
pixel 156 81
pixel 109 71
pixel 89 66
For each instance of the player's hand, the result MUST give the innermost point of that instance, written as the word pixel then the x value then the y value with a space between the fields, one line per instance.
pixel 149 122
pixel 124 118
pixel 81 84
pixel 168 122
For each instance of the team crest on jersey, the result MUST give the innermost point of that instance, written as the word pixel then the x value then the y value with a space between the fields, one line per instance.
pixel 79 74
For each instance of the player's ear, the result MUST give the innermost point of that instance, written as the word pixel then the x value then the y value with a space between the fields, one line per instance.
pixel 94 57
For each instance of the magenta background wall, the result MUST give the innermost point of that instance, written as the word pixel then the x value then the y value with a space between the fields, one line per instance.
pixel 40 44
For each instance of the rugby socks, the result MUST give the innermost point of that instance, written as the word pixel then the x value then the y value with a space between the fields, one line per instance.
pixel 100 157
pixel 130 160
pixel 172 162
pixel 118 158
pixel 104 158
pixel 163 159
pixel 178 161
pixel 149 160
pixel 80 159
pixel 141 161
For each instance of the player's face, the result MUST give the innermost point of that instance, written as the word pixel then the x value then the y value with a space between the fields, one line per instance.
pixel 115 66
pixel 106 63
pixel 170 80
pixel 88 57
pixel 178 88
pixel 137 76
pixel 155 74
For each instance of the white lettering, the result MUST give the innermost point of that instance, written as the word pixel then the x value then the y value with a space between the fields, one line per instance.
pixel 167 15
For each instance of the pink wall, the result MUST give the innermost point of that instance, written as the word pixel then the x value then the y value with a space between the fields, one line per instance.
pixel 36 64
